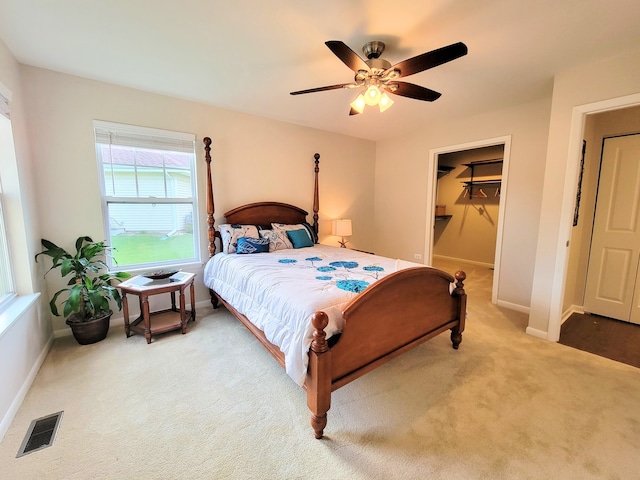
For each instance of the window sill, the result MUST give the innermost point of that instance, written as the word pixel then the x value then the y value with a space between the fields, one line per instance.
pixel 14 310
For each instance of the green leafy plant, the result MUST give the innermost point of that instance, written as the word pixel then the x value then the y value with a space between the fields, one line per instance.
pixel 88 291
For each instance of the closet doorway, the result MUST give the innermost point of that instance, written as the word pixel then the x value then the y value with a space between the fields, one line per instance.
pixel 466 208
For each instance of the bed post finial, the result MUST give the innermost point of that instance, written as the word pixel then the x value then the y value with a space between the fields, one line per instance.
pixel 316 197
pixel 211 233
pixel 460 278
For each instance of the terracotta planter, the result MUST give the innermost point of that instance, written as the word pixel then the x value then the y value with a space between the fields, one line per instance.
pixel 91 331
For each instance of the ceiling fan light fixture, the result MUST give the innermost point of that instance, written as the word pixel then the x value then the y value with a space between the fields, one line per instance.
pixel 358 104
pixel 372 95
pixel 376 73
pixel 385 102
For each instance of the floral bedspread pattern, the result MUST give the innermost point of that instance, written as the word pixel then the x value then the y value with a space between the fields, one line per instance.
pixel 348 275
pixel 281 290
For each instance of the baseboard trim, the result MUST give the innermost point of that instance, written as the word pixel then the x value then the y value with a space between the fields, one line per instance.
pixel 570 311
pixel 463 260
pixel 534 332
pixel 513 306
pixel 24 389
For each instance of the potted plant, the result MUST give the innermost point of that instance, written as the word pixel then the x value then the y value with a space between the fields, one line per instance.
pixel 86 307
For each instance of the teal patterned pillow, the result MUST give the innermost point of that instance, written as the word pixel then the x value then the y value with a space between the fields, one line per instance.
pixel 231 233
pixel 252 245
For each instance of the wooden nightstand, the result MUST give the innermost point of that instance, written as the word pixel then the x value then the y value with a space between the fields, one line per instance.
pixel 150 323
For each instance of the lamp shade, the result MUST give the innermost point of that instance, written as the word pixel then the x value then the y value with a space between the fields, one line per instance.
pixel 341 228
pixel 372 95
pixel 358 104
pixel 385 102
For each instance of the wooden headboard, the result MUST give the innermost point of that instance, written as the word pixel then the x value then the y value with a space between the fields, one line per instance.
pixel 263 213
pixel 259 213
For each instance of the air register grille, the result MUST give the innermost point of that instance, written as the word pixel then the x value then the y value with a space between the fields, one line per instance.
pixel 41 434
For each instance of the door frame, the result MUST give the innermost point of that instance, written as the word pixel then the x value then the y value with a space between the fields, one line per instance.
pixel 432 168
pixel 576 135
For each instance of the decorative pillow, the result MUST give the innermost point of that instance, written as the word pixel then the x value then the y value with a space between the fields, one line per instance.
pixel 277 240
pixel 308 228
pixel 312 232
pixel 299 238
pixel 252 245
pixel 231 233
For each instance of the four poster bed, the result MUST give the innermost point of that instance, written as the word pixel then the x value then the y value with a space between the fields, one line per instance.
pixel 352 311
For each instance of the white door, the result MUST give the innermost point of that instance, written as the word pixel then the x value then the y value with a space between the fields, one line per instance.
pixel 612 277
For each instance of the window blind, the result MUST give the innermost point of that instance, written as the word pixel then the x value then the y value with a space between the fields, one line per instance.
pixel 109 133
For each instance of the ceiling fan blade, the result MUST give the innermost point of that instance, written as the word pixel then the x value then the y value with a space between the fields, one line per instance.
pixel 348 56
pixel 322 89
pixel 430 59
pixel 353 111
pixel 416 92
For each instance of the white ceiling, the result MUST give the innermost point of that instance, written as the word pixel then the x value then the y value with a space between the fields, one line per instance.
pixel 247 55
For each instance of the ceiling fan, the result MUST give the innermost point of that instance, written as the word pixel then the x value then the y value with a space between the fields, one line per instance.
pixel 378 76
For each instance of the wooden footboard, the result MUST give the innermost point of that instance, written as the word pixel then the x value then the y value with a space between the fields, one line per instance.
pixel 392 316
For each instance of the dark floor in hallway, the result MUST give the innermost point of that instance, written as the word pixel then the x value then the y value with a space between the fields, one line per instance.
pixel 614 339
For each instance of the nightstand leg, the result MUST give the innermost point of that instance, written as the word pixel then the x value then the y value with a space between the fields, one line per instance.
pixel 183 314
pixel 173 301
pixel 146 318
pixel 193 302
pixel 125 312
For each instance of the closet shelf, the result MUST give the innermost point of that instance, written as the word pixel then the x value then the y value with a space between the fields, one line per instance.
pixel 491 161
pixel 444 170
pixel 483 182
pixel 479 183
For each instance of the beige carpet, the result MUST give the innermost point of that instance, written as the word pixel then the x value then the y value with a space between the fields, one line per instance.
pixel 212 404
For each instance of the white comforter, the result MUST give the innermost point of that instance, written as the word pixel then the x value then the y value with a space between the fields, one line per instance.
pixel 280 291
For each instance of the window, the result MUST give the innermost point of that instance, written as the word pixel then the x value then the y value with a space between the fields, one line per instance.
pixel 7 151
pixel 149 198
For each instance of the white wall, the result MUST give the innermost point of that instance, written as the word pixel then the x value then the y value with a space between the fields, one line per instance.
pixel 25 328
pixel 254 159
pixel 586 88
pixel 402 182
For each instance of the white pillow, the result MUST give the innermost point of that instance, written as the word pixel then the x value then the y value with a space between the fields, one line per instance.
pixel 283 227
pixel 278 240
pixel 231 233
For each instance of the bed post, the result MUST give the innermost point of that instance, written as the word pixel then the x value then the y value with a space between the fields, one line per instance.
pixel 318 381
pixel 316 197
pixel 210 205
pixel 211 231
pixel 456 332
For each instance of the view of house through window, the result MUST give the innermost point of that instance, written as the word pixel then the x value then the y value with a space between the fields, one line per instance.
pixel 148 194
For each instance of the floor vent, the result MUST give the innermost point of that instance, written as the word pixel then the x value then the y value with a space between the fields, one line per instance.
pixel 41 434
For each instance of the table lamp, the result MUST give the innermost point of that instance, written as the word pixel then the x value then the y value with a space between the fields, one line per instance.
pixel 342 228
